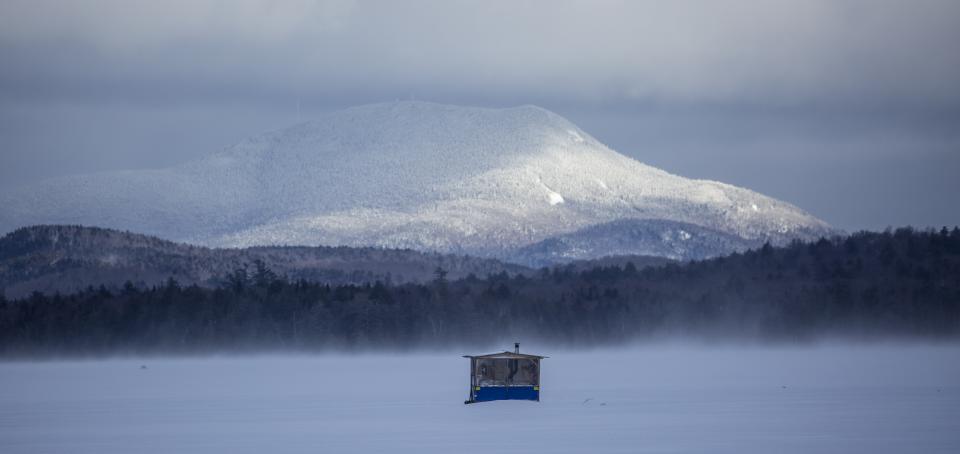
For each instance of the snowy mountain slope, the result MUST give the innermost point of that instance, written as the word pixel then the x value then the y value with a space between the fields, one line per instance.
pixel 406 175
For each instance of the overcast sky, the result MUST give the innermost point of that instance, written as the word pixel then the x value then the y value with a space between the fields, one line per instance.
pixel 848 109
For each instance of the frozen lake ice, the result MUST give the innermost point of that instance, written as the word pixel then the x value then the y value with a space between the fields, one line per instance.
pixel 654 398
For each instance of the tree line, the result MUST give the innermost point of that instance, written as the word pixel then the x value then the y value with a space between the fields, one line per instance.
pixel 902 283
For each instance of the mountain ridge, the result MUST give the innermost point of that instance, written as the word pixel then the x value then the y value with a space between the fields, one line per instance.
pixel 424 176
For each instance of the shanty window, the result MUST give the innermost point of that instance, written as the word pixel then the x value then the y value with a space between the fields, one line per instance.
pixel 506 372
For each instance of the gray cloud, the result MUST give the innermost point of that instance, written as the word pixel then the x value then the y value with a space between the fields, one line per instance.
pixel 788 51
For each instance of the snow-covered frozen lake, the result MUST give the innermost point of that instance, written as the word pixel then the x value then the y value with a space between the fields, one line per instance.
pixel 656 398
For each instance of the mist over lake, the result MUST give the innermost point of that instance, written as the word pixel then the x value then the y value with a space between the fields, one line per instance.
pixel 677 397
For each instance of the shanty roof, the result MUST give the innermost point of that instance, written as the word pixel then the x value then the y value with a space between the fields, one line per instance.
pixel 507 355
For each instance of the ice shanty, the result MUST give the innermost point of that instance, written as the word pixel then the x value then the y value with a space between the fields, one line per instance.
pixel 504 376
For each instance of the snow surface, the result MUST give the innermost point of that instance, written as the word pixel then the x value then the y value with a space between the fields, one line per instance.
pixel 404 175
pixel 660 398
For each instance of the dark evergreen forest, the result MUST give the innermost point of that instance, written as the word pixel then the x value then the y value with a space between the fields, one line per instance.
pixel 901 284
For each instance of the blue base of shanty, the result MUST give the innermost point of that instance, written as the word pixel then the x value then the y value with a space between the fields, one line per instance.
pixel 488 393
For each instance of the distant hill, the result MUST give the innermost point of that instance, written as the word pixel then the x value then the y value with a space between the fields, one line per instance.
pixel 64 259
pixel 647 238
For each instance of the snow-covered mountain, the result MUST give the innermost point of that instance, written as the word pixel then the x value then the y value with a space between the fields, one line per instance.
pixel 413 175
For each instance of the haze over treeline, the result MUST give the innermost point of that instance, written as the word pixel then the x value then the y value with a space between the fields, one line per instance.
pixel 903 284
